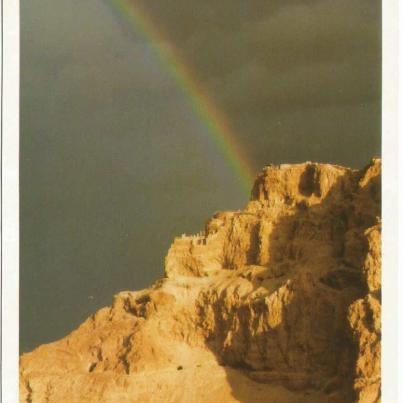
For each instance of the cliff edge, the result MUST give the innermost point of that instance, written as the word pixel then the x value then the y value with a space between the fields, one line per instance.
pixel 279 302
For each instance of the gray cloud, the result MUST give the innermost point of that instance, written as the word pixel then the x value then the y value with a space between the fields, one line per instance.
pixel 276 58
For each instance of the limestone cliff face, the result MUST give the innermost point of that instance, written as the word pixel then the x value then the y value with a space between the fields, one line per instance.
pixel 279 302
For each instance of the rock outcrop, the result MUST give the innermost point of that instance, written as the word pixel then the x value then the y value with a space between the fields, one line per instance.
pixel 279 302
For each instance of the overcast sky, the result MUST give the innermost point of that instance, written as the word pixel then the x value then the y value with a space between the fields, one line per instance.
pixel 114 163
pixel 299 79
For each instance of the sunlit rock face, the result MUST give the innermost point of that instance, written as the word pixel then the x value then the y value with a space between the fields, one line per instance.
pixel 279 302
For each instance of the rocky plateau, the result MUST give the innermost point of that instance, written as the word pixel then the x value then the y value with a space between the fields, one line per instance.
pixel 278 303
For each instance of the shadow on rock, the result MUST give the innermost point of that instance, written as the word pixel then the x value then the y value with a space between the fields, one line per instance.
pixel 285 320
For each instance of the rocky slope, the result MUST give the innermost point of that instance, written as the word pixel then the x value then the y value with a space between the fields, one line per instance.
pixel 277 303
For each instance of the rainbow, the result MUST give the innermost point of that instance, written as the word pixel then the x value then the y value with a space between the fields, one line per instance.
pixel 216 123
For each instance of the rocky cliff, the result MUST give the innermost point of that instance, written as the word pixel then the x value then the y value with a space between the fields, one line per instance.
pixel 279 302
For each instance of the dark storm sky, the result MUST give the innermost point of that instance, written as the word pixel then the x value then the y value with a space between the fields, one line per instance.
pixel 114 163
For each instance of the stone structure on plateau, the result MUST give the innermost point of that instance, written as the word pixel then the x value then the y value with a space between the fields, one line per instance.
pixel 279 302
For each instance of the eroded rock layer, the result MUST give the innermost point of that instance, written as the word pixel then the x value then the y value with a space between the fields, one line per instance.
pixel 279 302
